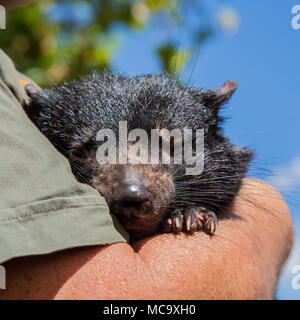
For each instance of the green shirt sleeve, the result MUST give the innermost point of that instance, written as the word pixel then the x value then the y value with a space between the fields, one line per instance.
pixel 42 207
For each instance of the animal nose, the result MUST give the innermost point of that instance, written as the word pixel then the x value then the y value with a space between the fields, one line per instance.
pixel 133 195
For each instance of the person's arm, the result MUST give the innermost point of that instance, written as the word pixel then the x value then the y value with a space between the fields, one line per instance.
pixel 241 261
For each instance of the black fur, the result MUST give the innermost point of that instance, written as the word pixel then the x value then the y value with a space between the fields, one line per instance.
pixel 76 111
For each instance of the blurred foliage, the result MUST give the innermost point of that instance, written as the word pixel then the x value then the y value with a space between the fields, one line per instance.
pixel 59 40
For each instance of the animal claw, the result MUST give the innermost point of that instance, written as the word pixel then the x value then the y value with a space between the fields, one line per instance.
pixel 177 223
pixel 209 220
pixel 188 222
pixel 191 220
pixel 210 226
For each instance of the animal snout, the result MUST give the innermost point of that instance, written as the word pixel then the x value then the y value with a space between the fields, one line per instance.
pixel 132 201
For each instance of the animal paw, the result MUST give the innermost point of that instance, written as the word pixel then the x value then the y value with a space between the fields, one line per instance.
pixel 208 219
pixel 191 220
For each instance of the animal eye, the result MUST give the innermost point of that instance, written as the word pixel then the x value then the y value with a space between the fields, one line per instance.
pixel 78 154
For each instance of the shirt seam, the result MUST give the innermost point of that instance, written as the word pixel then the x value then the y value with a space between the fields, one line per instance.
pixel 24 216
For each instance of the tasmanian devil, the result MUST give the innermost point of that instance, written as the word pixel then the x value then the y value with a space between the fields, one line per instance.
pixel 145 197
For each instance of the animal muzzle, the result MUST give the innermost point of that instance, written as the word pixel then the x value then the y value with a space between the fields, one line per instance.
pixel 131 203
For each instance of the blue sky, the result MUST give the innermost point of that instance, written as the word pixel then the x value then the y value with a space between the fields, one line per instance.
pixel 264 57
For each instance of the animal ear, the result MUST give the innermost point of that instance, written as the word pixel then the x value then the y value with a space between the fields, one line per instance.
pixel 216 97
pixel 37 95
pixel 39 98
